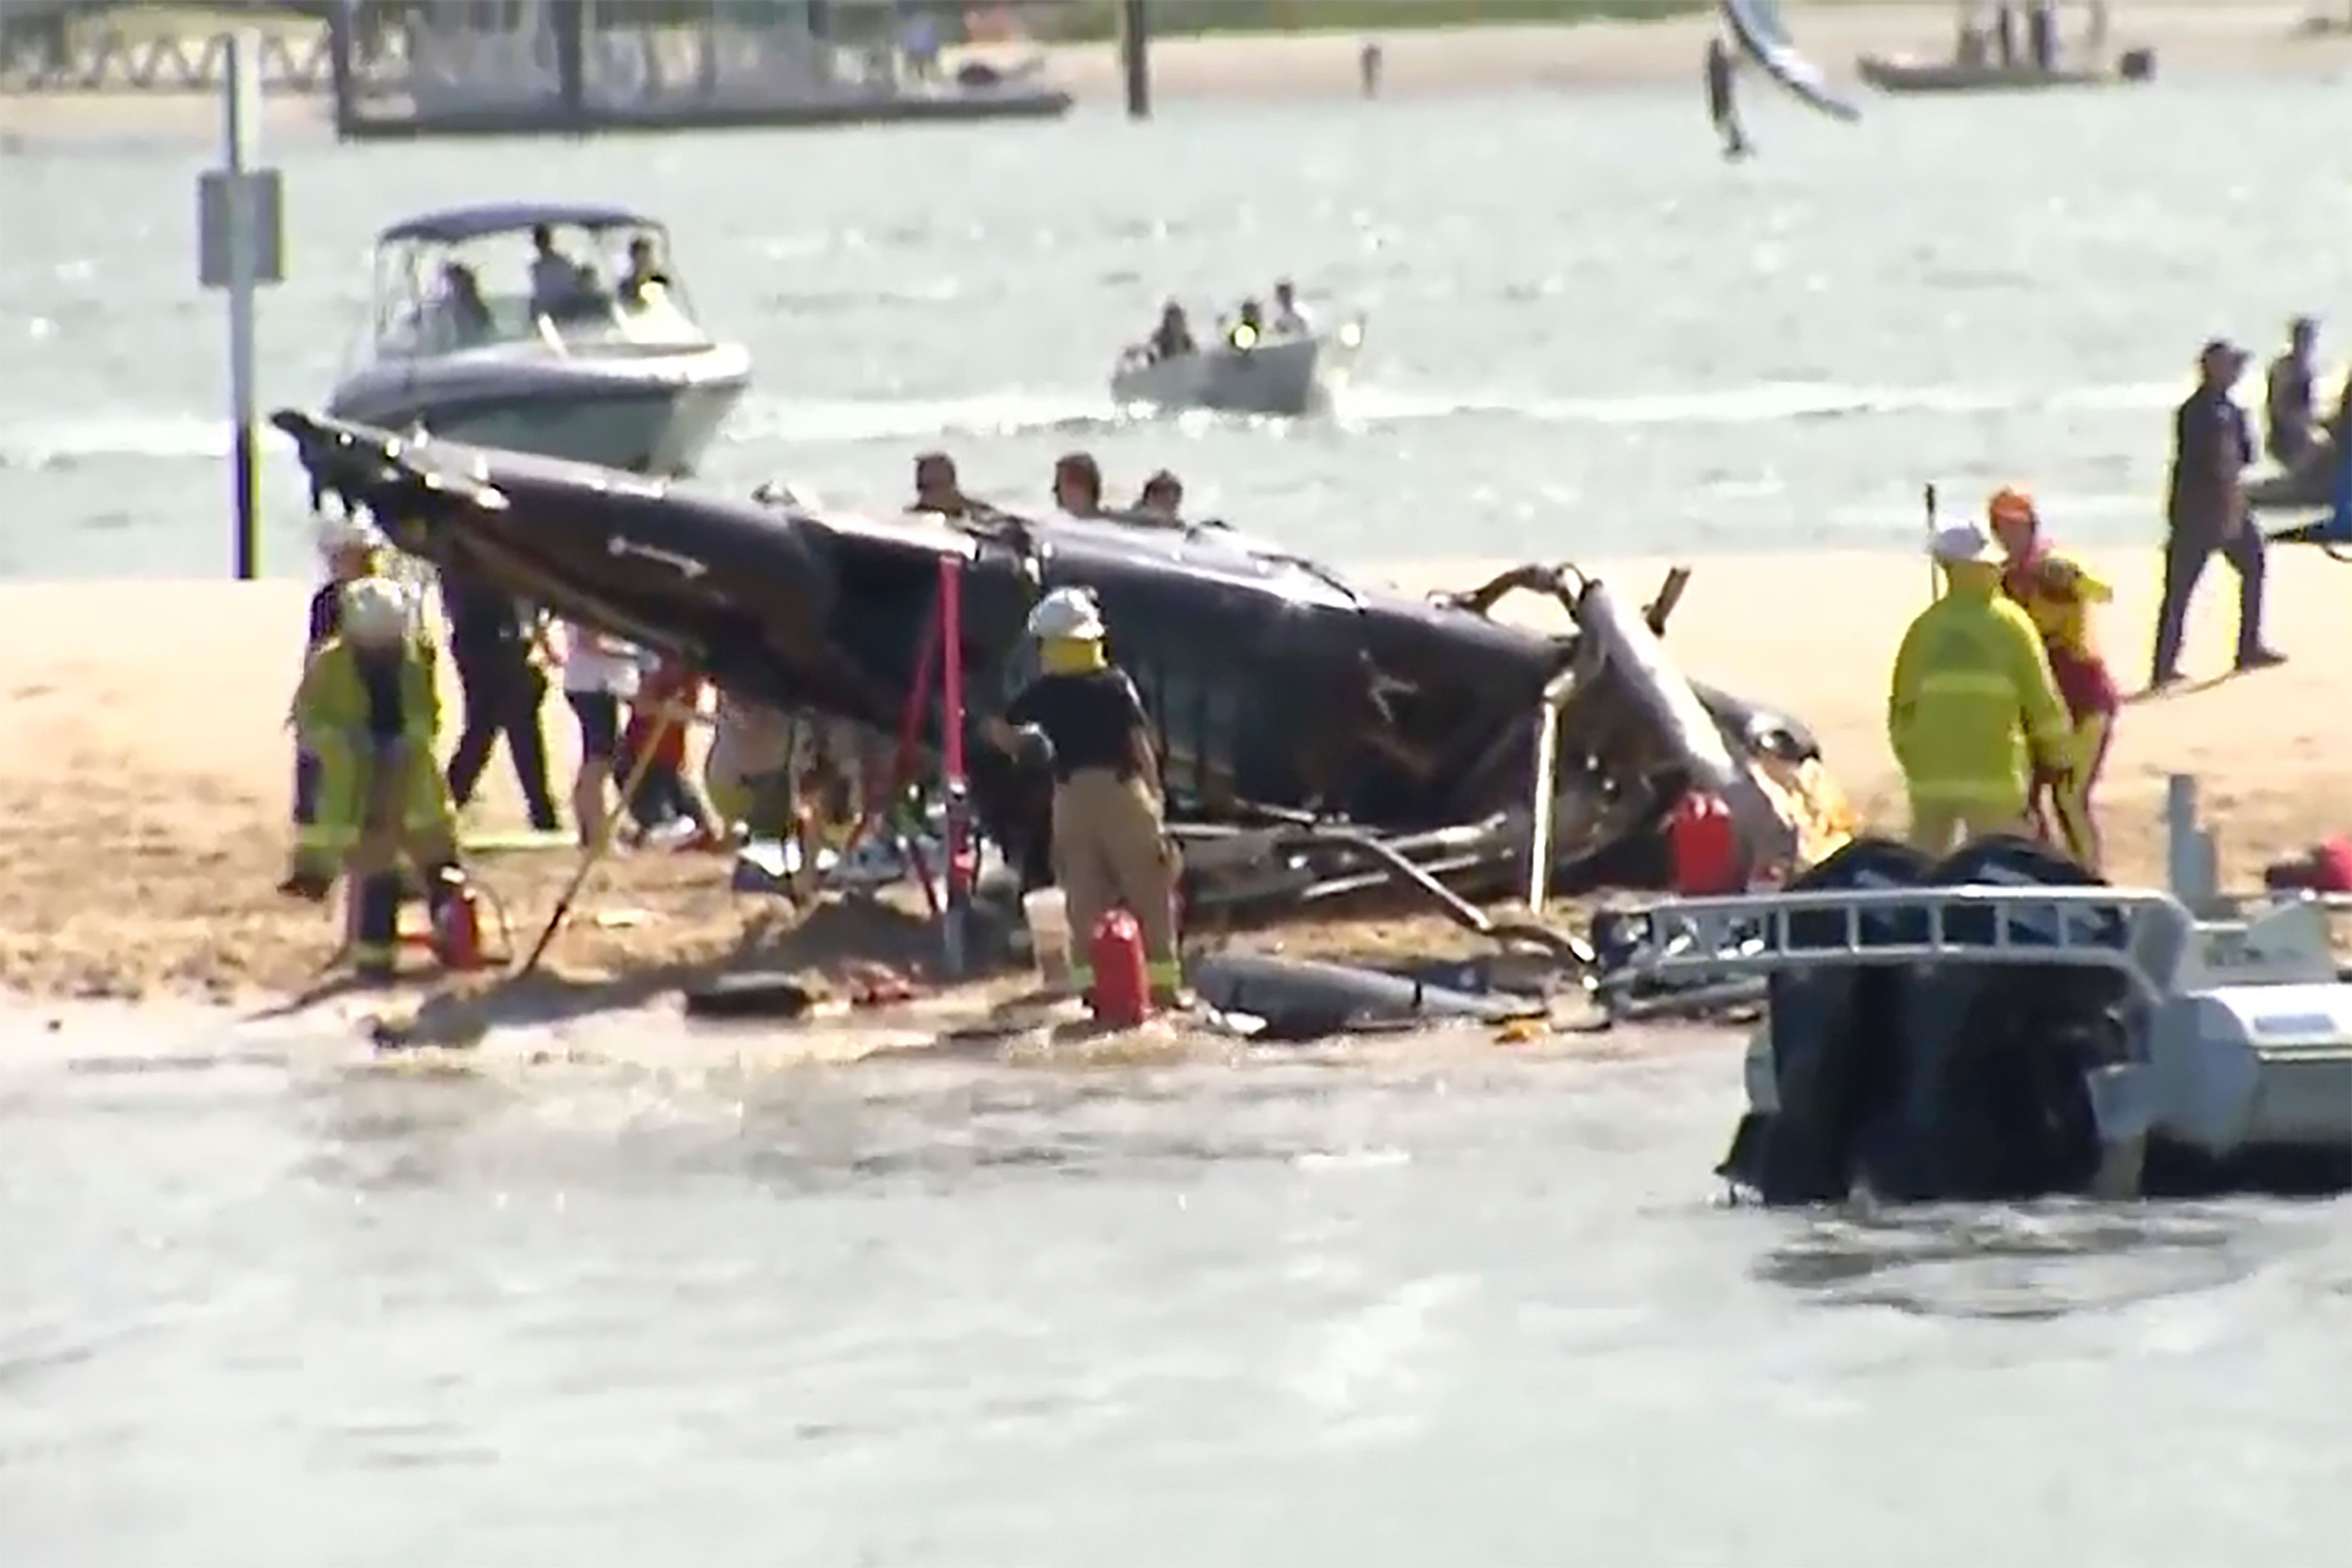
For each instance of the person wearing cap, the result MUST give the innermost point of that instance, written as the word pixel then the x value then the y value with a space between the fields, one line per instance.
pixel 1973 712
pixel 2057 593
pixel 2287 396
pixel 368 709
pixel 1110 843
pixel 2205 514
pixel 351 549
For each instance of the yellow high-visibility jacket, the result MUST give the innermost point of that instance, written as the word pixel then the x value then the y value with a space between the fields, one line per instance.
pixel 1972 704
pixel 331 717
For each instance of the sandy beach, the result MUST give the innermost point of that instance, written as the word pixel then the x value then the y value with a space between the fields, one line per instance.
pixel 2190 37
pixel 142 818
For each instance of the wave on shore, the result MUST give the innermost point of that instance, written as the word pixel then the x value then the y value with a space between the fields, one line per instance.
pixel 31 441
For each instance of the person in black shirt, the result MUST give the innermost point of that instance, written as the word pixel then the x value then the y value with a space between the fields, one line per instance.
pixel 503 690
pixel 1110 845
pixel 2287 394
pixel 2205 513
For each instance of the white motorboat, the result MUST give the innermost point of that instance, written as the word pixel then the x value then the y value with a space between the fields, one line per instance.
pixel 600 371
pixel 1280 376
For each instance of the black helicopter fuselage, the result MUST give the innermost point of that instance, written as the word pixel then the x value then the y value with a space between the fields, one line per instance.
pixel 1276 687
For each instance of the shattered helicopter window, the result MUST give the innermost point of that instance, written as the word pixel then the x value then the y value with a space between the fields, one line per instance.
pixel 1021 666
pixel 1220 723
pixel 1164 695
pixel 1180 721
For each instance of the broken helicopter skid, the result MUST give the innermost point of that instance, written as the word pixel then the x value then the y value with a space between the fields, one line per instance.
pixel 1318 737
pixel 2004 1026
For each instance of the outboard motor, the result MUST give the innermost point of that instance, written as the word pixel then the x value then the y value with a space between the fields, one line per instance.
pixel 1837 1040
pixel 1999 1106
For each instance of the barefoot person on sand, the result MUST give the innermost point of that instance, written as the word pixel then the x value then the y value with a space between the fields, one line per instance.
pixel 1972 712
pixel 2205 514
pixel 599 673
pixel 2057 593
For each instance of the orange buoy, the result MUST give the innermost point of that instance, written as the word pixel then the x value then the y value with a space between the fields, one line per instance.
pixel 1120 993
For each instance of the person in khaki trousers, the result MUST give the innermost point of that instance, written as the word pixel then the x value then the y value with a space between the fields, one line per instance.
pixel 1111 842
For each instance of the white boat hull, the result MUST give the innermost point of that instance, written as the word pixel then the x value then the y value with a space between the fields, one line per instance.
pixel 649 413
pixel 2128 1047
pixel 1283 379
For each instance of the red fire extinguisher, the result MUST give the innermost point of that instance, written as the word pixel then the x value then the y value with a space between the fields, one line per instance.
pixel 1120 996
pixel 456 922
pixel 1704 844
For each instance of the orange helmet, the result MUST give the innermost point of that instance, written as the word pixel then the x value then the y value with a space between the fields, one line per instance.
pixel 2010 505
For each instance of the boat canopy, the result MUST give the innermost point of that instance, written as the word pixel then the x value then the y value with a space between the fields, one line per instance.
pixel 455 225
pixel 466 278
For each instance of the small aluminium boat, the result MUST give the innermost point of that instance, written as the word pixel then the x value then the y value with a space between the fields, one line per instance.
pixel 1282 376
pixel 1901 74
pixel 480 333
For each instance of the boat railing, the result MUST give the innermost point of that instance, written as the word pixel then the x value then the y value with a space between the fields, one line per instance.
pixel 2135 933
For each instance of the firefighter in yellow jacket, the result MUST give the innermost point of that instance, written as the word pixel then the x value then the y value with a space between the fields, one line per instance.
pixel 1973 711
pixel 368 709
pixel 1110 844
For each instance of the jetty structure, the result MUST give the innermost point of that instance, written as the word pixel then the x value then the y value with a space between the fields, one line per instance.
pixel 411 69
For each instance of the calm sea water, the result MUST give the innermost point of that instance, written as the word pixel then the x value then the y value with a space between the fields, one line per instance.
pixel 265 1303
pixel 1586 332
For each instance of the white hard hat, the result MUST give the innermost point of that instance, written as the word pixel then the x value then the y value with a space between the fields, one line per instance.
pixel 375 610
pixel 1069 615
pixel 1962 543
pixel 337 535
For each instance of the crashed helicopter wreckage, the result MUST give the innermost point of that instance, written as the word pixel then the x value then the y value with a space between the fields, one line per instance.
pixel 1318 737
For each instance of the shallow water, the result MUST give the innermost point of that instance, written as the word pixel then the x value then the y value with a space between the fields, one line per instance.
pixel 273 1303
pixel 266 1303
pixel 1587 334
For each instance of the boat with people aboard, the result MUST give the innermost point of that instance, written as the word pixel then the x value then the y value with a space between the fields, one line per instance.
pixel 1277 364
pixel 2013 48
pixel 583 342
pixel 1901 74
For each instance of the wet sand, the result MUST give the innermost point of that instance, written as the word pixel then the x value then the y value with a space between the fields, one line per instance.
pixel 143 813
pixel 2192 38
